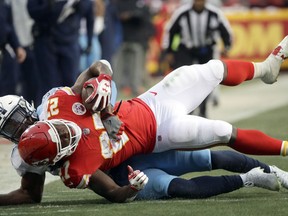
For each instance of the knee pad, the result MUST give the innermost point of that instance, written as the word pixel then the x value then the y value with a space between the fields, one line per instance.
pixel 222 130
pixel 212 132
pixel 217 68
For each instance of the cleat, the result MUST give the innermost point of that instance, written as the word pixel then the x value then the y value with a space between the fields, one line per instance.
pixel 257 178
pixel 281 174
pixel 274 60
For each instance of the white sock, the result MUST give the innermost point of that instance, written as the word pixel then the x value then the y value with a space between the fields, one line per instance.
pixel 262 68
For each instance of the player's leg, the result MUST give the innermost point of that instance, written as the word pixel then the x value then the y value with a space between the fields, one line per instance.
pixel 157 186
pixel 190 85
pixel 230 161
pixel 257 143
pixel 235 162
pixel 207 186
pixel 164 168
pixel 193 132
pixel 238 71
pixel 173 162
pixel 186 86
pixel 178 163
pixel 164 185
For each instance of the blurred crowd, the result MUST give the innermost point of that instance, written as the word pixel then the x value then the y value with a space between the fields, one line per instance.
pixel 47 43
pixel 255 3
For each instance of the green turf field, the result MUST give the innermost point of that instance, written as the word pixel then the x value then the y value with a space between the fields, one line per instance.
pixel 59 200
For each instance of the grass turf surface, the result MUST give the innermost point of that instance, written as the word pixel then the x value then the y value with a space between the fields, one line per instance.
pixel 59 200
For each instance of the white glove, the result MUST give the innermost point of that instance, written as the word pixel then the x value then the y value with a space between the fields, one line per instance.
pixel 101 91
pixel 137 179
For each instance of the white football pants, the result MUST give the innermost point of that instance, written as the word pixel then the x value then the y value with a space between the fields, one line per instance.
pixel 173 98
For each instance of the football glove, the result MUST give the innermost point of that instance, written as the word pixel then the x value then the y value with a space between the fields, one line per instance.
pixel 137 179
pixel 113 125
pixel 101 91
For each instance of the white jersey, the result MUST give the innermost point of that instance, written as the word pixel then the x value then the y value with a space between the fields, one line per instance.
pixel 18 163
pixel 22 167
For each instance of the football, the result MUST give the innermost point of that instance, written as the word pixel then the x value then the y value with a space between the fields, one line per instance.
pixel 85 94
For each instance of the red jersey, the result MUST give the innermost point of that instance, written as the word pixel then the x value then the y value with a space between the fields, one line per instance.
pixel 95 150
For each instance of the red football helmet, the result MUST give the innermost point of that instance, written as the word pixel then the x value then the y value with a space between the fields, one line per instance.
pixel 46 142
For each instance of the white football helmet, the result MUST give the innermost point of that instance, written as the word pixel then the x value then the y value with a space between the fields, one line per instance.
pixel 16 115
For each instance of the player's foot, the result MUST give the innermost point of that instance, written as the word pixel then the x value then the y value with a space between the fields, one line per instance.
pixel 274 61
pixel 257 178
pixel 281 174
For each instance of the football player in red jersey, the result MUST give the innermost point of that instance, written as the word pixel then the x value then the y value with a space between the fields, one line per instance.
pixel 17 114
pixel 155 121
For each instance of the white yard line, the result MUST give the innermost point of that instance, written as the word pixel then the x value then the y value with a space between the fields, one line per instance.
pixel 235 103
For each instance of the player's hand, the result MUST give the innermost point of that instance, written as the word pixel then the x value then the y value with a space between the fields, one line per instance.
pixel 113 125
pixel 21 54
pixel 101 91
pixel 137 179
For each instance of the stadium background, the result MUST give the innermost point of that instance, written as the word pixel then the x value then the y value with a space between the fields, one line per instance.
pixel 256 33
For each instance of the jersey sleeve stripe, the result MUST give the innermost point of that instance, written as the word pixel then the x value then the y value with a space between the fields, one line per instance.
pixel 68 90
pixel 84 182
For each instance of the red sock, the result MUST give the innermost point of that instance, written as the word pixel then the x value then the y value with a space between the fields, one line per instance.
pixel 256 143
pixel 237 72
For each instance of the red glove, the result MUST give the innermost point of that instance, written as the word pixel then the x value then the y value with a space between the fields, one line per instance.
pixel 137 179
pixel 101 91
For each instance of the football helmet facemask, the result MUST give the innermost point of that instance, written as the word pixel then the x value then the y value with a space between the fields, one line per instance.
pixel 46 142
pixel 16 115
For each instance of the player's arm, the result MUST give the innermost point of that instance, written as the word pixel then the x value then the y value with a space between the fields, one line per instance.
pixel 99 93
pixel 97 68
pixel 30 191
pixel 103 185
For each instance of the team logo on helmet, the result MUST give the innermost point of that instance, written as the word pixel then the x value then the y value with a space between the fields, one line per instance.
pixel 78 108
